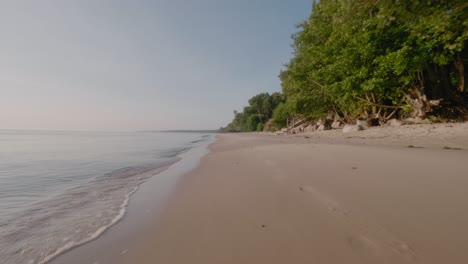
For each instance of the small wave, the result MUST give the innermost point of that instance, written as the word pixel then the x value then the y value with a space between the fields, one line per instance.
pixel 174 152
pixel 51 227
pixel 203 138
pixel 96 234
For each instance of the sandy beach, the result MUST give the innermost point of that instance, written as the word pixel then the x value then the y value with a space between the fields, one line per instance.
pixel 275 199
pixel 316 198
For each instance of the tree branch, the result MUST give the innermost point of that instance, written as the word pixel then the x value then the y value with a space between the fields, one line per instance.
pixel 379 105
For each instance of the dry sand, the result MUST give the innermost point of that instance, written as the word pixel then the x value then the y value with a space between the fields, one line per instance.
pixel 363 197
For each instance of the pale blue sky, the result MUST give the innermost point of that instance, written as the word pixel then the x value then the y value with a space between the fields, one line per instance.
pixel 137 65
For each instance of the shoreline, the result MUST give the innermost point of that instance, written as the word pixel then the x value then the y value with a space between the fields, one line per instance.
pixel 143 208
pixel 122 212
pixel 321 197
pixel 102 230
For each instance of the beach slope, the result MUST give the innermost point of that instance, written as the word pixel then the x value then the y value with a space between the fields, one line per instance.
pixel 272 199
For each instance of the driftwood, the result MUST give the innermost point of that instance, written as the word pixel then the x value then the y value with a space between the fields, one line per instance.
pixel 420 104
pixel 381 113
pixel 418 100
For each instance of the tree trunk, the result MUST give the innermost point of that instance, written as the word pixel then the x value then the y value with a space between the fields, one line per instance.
pixel 461 73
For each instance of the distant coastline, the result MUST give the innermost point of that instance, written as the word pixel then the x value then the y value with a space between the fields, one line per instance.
pixel 182 131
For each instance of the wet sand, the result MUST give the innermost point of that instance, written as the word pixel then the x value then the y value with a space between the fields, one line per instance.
pixel 317 198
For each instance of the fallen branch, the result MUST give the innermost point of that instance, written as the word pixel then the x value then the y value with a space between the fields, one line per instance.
pixel 391 115
pixel 338 115
pixel 379 105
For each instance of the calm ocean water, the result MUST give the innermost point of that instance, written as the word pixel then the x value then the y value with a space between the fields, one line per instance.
pixel 62 189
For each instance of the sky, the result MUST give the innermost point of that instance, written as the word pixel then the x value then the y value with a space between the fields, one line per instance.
pixel 139 65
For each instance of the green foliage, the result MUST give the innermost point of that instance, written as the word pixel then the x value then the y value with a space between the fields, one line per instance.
pixel 259 127
pixel 350 50
pixel 280 115
pixel 354 56
pixel 254 116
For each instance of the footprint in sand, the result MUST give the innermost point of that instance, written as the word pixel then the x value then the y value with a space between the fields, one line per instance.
pixel 375 249
pixel 378 243
pixel 364 246
pixel 332 205
pixel 403 249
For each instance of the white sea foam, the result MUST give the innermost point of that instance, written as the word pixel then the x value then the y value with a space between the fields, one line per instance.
pixel 100 231
pixel 78 216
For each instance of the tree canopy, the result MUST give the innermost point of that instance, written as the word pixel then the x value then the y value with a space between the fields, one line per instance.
pixel 256 114
pixel 374 59
pixel 353 55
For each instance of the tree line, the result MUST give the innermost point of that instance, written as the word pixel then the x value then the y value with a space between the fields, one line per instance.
pixel 256 115
pixel 372 59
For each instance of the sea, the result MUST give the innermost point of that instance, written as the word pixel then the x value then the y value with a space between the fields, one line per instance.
pixel 59 190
